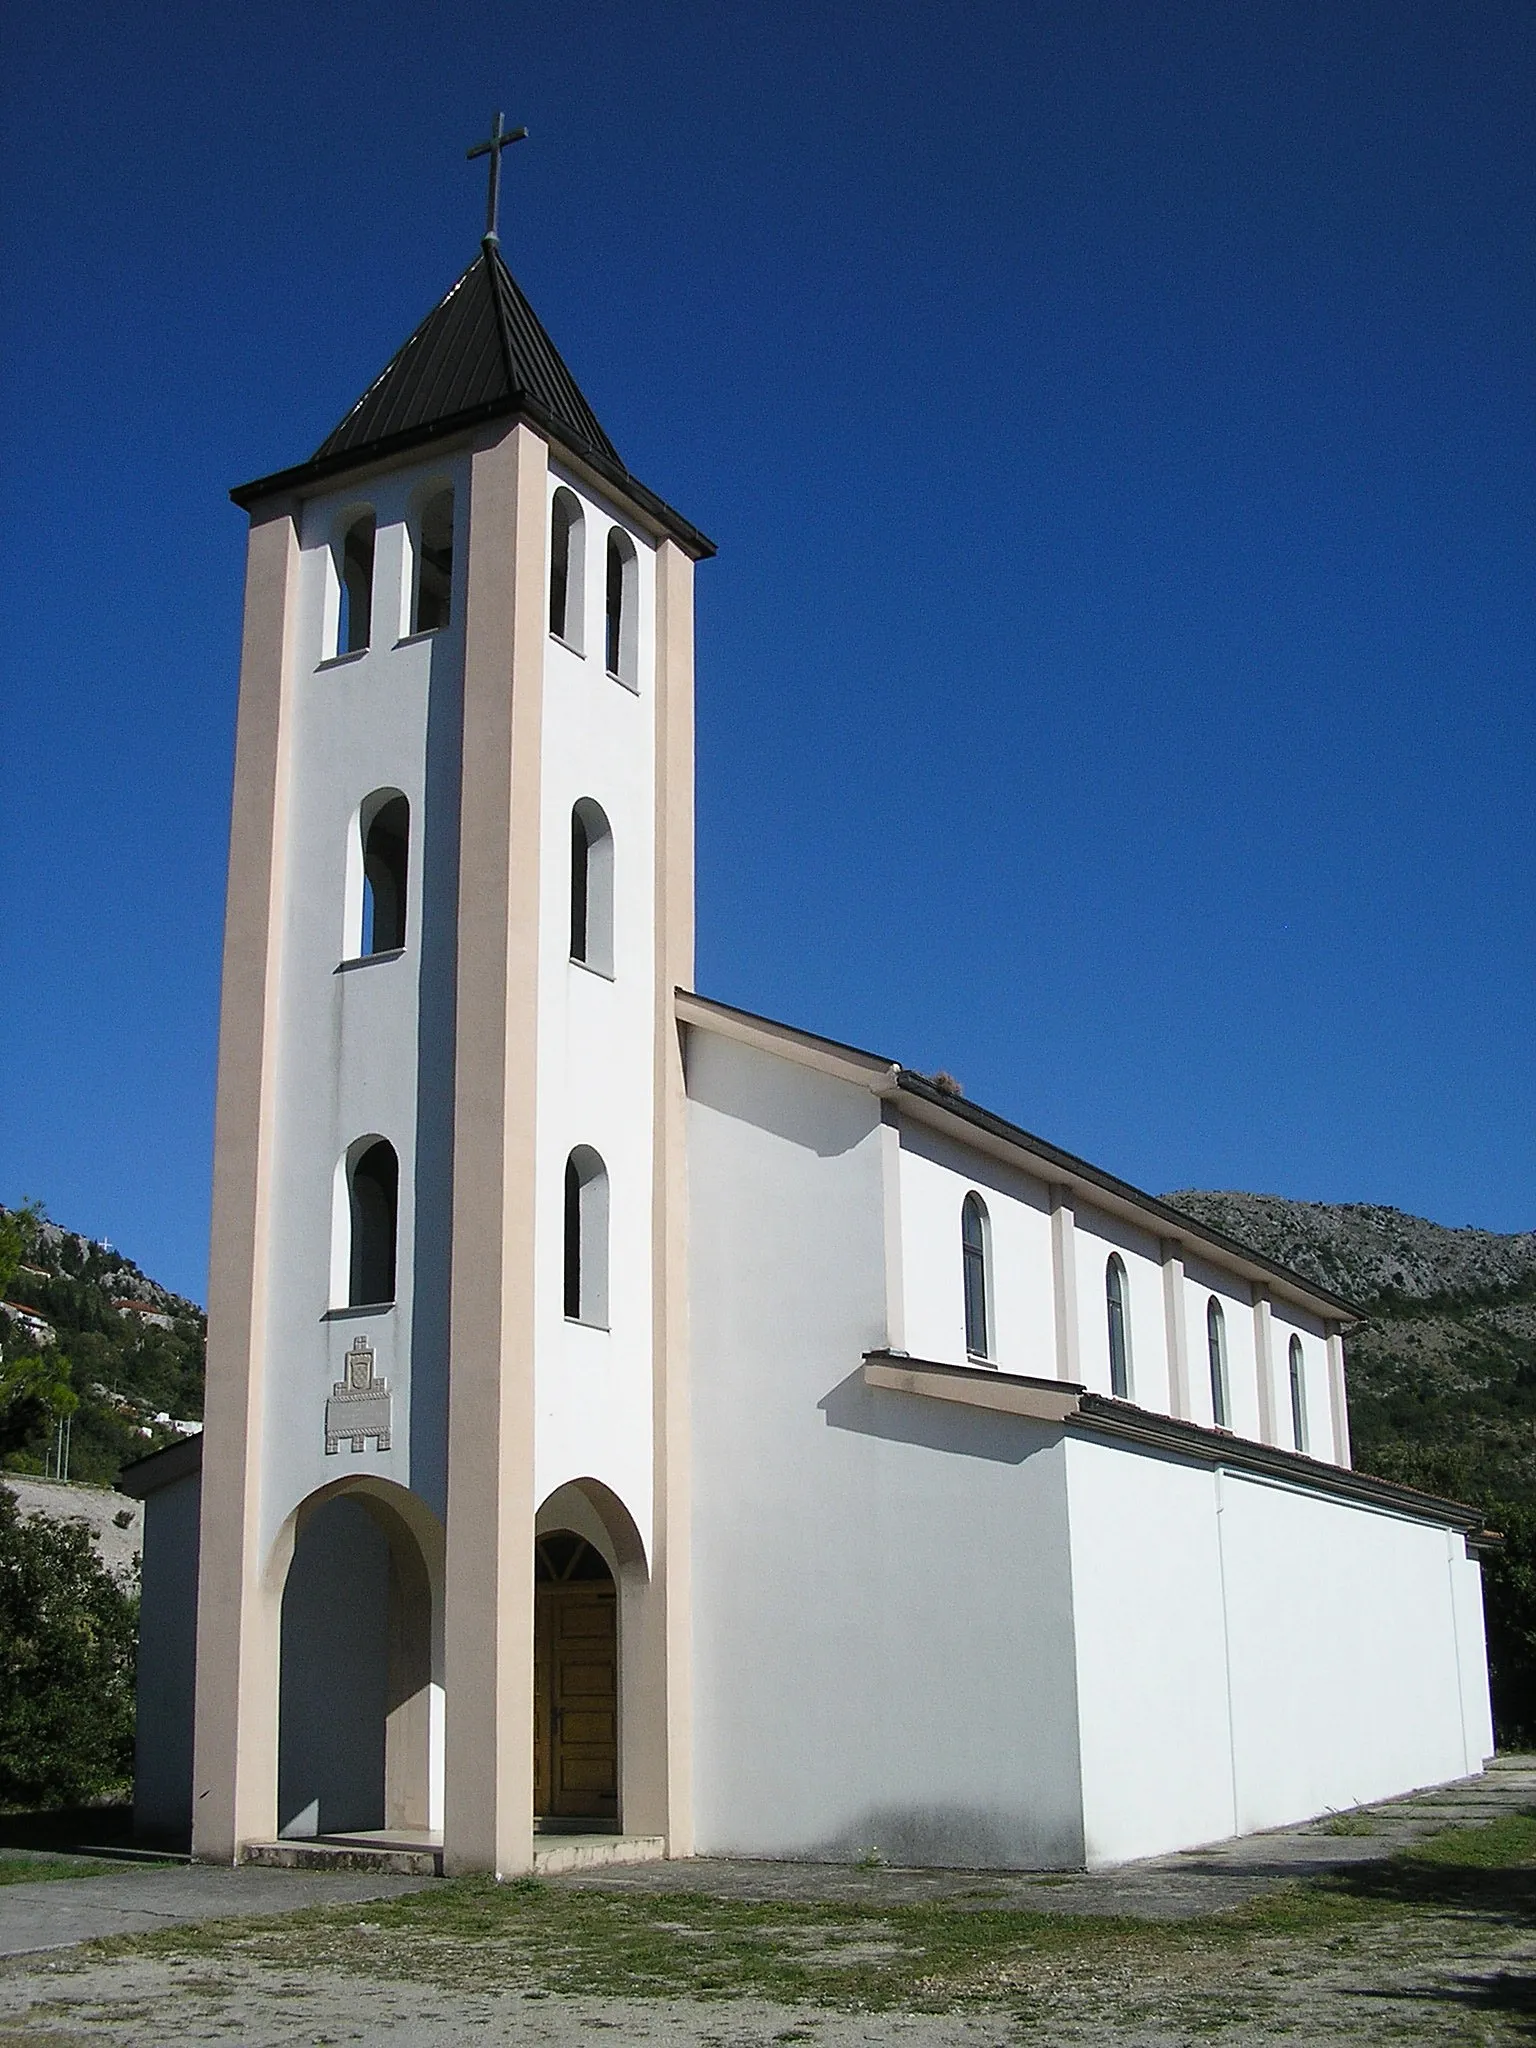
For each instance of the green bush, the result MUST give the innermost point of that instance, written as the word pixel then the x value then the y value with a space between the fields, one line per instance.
pixel 68 1636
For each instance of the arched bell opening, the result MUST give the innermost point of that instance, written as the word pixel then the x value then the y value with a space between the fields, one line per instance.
pixel 360 1720
pixel 599 1713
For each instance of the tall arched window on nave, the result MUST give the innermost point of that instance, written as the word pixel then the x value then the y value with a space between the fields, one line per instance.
pixel 1298 1396
pixel 1216 1346
pixel 1117 1309
pixel 975 1260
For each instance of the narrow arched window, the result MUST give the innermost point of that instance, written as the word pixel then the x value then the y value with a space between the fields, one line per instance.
pixel 1216 1346
pixel 586 1238
pixel 975 1232
pixel 567 556
pixel 623 627
pixel 1298 1397
pixel 355 622
pixel 591 887
pixel 385 825
pixel 1117 1309
pixel 434 565
pixel 375 1202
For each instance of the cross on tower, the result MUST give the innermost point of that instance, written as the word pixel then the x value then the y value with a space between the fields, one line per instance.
pixel 492 147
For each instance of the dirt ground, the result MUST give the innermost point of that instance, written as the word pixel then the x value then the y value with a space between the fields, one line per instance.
pixel 1412 1922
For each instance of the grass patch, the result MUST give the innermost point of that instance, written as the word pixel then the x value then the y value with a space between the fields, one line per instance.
pixel 39 1869
pixel 542 1940
pixel 1352 1824
pixel 1508 1843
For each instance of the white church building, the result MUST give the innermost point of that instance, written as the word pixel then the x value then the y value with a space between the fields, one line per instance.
pixel 633 1420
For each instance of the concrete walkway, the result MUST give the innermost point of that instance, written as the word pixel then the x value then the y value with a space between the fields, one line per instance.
pixel 68 1910
pixel 1182 1887
pixel 63 1912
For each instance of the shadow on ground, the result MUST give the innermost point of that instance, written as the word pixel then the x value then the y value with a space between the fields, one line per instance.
pixel 105 1831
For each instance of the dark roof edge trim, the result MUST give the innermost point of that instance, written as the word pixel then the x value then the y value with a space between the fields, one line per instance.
pixel 323 469
pixel 1105 1416
pixel 1101 1415
pixel 1181 1224
pixel 162 1468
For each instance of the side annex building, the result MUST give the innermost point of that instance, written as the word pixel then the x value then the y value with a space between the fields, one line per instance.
pixel 633 1416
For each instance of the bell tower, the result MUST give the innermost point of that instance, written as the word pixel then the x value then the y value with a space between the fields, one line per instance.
pixel 447 1296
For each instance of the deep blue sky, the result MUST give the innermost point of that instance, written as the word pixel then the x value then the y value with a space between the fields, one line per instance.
pixel 1117 423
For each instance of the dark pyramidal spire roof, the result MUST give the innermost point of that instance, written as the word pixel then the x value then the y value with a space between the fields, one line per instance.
pixel 480 354
pixel 481 349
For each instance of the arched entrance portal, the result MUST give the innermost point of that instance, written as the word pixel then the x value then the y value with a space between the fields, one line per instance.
pixel 359 1711
pixel 575 1680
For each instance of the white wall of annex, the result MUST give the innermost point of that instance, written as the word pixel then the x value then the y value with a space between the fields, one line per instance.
pixel 596 1041
pixel 936 1174
pixel 1251 1654
pixel 1471 1654
pixel 1098 1236
pixel 1151 1652
pixel 882 1632
pixel 1201 1281
pixel 1345 1653
pixel 365 1048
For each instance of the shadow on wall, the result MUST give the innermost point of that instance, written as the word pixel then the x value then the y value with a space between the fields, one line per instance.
pixel 335 1674
pixel 822 1115
pixel 951 1838
pixel 935 1425
pixel 432 1198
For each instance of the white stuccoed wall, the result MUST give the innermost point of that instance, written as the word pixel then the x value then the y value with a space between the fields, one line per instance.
pixel 936 1175
pixel 368 1048
pixel 882 1632
pixel 1098 1236
pixel 1285 1323
pixel 1250 1655
pixel 597 1040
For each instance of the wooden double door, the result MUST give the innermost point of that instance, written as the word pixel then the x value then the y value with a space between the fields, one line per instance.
pixel 575 1681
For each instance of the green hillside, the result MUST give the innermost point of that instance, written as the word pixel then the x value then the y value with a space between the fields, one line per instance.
pixel 1442 1380
pixel 127 1350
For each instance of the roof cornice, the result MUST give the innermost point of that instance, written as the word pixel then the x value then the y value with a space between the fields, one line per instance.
pixel 968 1123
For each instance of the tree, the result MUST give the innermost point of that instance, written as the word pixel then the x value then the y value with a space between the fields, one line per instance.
pixel 68 1636
pixel 35 1391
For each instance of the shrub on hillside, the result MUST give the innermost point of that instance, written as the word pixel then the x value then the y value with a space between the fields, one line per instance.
pixel 68 1635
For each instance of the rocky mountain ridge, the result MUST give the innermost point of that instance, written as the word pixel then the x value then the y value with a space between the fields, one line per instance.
pixel 1365 1251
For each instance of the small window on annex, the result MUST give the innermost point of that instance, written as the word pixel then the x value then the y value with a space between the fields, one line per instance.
pixel 1298 1397
pixel 975 1260
pixel 567 557
pixel 374 1191
pixel 623 603
pixel 385 825
pixel 591 887
pixel 1216 1345
pixel 586 1238
pixel 1117 1310
pixel 433 605
pixel 354 623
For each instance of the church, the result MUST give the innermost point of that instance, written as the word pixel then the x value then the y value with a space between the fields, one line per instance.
pixel 637 1427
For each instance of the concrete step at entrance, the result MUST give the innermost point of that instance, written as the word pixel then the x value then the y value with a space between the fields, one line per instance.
pixel 555 1854
pixel 369 1850
pixel 413 1852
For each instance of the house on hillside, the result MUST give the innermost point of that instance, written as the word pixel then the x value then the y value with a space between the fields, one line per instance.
pixel 630 1415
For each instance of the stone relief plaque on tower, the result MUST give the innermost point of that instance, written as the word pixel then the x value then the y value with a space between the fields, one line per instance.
pixel 359 1406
